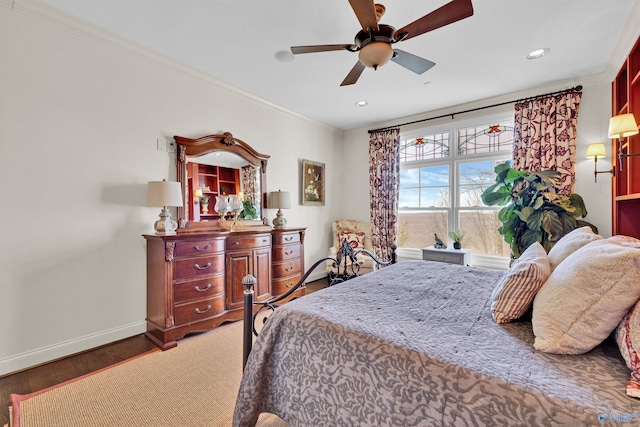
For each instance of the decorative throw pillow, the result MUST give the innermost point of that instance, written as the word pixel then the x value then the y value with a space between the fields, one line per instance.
pixel 570 243
pixel 356 240
pixel 515 291
pixel 586 297
pixel 625 240
pixel 628 339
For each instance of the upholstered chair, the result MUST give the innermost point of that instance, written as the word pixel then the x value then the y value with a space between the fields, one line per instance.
pixel 359 236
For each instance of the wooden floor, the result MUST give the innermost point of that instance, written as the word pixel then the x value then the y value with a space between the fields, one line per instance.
pixel 56 372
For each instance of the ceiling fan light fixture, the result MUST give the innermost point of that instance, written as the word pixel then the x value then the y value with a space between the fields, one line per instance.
pixel 375 54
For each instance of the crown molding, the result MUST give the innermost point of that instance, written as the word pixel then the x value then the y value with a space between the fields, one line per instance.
pixel 61 20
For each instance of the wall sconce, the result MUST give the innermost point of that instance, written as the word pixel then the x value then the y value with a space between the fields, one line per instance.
pixel 622 126
pixel 594 151
pixel 197 194
pixel 163 194
pixel 279 200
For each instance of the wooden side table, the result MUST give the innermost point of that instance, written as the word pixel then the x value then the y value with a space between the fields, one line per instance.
pixel 452 256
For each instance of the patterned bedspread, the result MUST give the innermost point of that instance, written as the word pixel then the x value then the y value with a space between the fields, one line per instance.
pixel 414 345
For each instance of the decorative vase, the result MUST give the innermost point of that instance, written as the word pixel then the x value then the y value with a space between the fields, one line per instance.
pixel 457 245
pixel 205 208
pixel 222 206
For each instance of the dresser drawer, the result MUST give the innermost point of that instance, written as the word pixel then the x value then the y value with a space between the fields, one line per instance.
pixel 281 286
pixel 287 268
pixel 249 242
pixel 197 289
pixel 286 252
pixel 194 267
pixel 199 310
pixel 285 238
pixel 201 247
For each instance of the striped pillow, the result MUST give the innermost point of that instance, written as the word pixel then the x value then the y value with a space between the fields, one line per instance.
pixel 514 293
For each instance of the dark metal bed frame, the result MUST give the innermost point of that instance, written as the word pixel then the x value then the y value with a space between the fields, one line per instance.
pixel 346 268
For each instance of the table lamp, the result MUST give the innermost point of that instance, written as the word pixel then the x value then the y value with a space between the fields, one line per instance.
pixel 279 200
pixel 164 194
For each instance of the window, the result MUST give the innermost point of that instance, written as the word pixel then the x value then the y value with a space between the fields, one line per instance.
pixel 443 172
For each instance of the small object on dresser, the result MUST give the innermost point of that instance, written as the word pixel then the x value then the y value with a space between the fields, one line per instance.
pixel 439 243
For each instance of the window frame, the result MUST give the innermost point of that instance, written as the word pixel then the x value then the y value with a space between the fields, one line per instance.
pixel 453 161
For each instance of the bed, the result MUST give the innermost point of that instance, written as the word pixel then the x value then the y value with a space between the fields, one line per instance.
pixel 414 344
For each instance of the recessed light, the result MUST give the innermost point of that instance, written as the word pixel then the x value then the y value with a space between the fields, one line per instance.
pixel 284 56
pixel 538 53
pixel 362 104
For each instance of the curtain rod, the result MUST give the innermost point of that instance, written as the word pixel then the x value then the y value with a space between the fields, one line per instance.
pixel 573 89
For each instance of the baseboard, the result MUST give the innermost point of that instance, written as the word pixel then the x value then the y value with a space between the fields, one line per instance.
pixel 316 275
pixel 42 355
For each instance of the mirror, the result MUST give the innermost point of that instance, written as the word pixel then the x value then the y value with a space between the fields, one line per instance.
pixel 217 164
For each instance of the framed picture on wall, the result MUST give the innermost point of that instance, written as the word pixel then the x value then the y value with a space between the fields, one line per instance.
pixel 312 183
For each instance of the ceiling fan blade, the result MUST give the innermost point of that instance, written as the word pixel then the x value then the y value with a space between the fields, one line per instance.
pixel 353 75
pixel 411 62
pixel 321 48
pixel 365 11
pixel 445 15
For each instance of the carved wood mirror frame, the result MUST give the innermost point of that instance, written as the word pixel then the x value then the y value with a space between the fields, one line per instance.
pixel 187 147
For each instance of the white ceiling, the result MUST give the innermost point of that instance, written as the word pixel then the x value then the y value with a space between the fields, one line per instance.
pixel 478 57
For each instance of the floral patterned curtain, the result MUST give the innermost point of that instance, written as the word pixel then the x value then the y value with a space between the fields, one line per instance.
pixel 384 180
pixel 248 178
pixel 545 135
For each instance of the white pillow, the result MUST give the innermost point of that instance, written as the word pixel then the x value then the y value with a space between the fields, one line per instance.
pixel 586 297
pixel 514 293
pixel 569 243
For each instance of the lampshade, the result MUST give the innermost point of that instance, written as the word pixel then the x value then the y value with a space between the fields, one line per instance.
pixel 164 193
pixel 596 150
pixel 375 54
pixel 622 126
pixel 279 200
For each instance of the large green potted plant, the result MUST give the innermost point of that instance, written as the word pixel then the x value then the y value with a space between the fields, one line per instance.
pixel 533 209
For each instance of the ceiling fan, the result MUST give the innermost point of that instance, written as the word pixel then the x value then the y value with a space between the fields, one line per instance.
pixel 374 41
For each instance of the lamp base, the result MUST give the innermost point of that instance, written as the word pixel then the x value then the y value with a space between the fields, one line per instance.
pixel 279 221
pixel 165 226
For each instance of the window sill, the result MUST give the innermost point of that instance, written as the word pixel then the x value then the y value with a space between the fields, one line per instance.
pixel 484 261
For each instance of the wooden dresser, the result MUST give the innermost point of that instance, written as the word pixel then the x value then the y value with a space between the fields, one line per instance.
pixel 194 279
pixel 288 261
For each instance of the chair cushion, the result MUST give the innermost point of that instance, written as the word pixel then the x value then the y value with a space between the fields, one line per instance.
pixel 355 239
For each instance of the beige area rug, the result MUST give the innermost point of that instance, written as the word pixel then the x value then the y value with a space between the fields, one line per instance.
pixel 194 384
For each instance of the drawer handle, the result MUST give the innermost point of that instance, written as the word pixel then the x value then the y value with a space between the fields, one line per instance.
pixel 288 239
pixel 237 243
pixel 197 288
pixel 197 310
pixel 198 248
pixel 288 268
pixel 202 267
pixel 288 253
pixel 264 240
pixel 289 285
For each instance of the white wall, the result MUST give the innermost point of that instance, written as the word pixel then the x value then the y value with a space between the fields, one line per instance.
pixel 80 112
